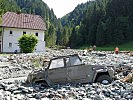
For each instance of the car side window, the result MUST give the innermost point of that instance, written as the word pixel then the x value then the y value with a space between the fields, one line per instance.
pixel 57 63
pixel 75 61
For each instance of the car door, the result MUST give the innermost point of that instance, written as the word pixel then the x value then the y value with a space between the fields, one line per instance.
pixel 57 71
pixel 76 71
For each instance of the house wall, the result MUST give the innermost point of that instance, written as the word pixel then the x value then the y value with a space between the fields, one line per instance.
pixel 13 39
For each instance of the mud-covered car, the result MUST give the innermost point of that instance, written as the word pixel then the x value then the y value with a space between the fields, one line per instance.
pixel 70 69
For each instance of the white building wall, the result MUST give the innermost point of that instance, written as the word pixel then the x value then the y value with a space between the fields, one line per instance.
pixel 16 33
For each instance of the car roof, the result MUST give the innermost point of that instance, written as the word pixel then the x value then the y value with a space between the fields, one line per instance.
pixel 60 57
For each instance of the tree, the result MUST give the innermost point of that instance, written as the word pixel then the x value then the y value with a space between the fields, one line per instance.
pixel 51 36
pixel 64 37
pixel 59 36
pixel 73 38
pixel 27 43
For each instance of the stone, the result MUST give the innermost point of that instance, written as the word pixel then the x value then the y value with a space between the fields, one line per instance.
pixel 117 98
pixel 25 90
pixel 22 65
pixel 125 95
pixel 4 60
pixel 2 86
pixel 38 96
pixel 17 92
pixel 30 89
pixel 98 97
pixel 129 97
pixel 44 98
pixel 124 91
pixel 30 95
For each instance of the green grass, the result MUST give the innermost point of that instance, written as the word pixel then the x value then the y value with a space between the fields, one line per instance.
pixel 123 47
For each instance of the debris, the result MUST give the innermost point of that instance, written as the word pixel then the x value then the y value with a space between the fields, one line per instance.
pixel 22 64
pixel 128 78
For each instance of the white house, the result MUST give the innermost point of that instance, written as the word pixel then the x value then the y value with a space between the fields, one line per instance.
pixel 15 25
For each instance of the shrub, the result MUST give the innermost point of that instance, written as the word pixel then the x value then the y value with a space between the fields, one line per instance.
pixel 27 43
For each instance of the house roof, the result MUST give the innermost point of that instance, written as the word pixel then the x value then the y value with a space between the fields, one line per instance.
pixel 24 21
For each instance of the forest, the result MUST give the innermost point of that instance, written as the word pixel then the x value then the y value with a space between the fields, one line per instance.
pixel 97 22
pixel 104 22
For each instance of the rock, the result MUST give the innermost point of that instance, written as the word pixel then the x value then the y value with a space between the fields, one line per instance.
pixel 14 61
pixel 30 89
pixel 38 96
pixel 17 92
pixel 51 95
pixel 125 92
pixel 30 95
pixel 44 98
pixel 20 97
pixel 22 65
pixel 1 96
pixel 125 95
pixel 117 98
pixel 129 97
pixel 2 86
pixel 25 90
pixel 4 60
pixel 97 97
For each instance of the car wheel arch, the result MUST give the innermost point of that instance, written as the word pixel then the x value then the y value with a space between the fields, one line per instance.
pixel 100 74
pixel 44 82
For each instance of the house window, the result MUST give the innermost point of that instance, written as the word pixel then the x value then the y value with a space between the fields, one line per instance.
pixel 24 33
pixel 10 44
pixel 10 32
pixel 36 34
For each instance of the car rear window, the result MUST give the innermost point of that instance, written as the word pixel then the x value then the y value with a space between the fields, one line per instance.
pixel 75 61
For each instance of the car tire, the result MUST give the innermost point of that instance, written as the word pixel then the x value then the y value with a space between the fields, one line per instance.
pixel 104 79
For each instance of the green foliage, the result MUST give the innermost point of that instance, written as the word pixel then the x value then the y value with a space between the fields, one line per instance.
pixel 75 17
pixel 101 22
pixel 51 36
pixel 8 5
pixel 36 62
pixel 27 43
pixel 97 22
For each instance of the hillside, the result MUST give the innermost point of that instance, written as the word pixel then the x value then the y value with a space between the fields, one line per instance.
pixel 103 22
pixel 97 22
pixel 76 16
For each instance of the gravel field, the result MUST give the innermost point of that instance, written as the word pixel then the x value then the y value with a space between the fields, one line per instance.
pixel 15 68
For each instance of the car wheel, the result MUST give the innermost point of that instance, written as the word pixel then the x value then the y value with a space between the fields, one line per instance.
pixel 104 79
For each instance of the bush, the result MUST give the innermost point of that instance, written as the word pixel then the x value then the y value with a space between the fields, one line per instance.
pixel 27 43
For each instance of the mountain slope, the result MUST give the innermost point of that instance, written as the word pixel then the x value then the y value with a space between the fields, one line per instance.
pixel 97 22
pixel 100 22
pixel 76 16
pixel 8 5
